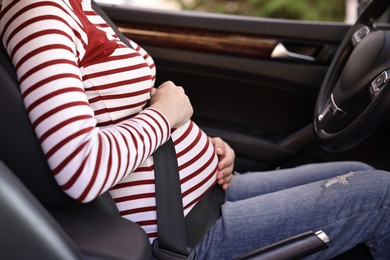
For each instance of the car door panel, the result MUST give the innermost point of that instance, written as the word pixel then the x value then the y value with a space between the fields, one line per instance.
pixel 242 89
pixel 235 103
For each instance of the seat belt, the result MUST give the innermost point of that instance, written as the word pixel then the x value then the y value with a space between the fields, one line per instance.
pixel 174 231
pixel 178 236
pixel 100 12
pixel 171 242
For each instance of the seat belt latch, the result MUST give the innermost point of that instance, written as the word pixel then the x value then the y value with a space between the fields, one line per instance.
pixel 163 254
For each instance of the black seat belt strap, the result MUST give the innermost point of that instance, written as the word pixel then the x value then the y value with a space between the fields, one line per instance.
pixel 100 12
pixel 171 242
pixel 172 236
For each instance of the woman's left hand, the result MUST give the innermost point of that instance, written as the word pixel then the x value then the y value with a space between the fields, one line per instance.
pixel 226 158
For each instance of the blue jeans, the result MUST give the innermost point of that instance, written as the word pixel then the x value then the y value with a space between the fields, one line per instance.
pixel 349 201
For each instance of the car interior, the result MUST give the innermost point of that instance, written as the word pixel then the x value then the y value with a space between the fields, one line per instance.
pixel 268 87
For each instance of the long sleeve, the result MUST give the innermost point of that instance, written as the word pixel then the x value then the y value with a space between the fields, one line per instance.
pixel 50 51
pixel 85 92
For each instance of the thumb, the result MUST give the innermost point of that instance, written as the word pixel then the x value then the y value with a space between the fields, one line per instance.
pixel 153 91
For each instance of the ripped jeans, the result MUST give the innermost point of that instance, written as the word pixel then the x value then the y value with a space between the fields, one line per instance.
pixel 349 201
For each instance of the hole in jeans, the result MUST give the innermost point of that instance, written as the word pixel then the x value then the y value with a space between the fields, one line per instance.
pixel 342 179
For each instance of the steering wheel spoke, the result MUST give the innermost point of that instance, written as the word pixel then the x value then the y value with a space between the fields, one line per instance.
pixel 331 108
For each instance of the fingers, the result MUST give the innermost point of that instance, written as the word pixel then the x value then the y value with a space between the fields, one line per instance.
pixel 170 84
pixel 225 153
pixel 225 182
pixel 224 177
pixel 218 145
pixel 172 102
pixel 226 186
pixel 225 173
pixel 226 157
pixel 226 160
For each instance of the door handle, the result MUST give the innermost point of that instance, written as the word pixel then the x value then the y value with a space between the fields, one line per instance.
pixel 281 52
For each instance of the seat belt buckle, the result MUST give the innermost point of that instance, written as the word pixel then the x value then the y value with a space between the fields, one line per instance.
pixel 163 254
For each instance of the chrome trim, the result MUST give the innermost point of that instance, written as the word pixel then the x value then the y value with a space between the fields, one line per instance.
pixel 335 109
pixel 331 107
pixel 360 34
pixel 281 52
pixel 374 84
pixel 323 236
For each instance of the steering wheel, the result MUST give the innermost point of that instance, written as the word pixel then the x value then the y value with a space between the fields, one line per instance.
pixel 355 94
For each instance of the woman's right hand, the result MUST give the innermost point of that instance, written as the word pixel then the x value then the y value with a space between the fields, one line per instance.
pixel 172 102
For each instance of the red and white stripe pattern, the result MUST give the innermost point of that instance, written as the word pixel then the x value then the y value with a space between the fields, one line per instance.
pixel 84 91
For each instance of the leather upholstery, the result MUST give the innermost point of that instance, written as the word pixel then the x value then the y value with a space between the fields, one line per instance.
pixel 27 229
pixel 21 153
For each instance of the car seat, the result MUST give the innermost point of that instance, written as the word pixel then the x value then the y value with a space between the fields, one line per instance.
pixel 94 227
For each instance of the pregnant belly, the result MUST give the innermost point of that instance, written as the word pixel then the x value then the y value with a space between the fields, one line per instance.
pixel 197 162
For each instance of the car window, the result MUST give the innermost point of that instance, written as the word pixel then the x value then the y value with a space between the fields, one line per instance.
pixel 154 4
pixel 319 10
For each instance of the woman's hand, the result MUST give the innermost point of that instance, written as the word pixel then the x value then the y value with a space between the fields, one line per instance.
pixel 172 102
pixel 226 158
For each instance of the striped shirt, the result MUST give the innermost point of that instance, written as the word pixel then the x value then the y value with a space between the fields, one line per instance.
pixel 85 93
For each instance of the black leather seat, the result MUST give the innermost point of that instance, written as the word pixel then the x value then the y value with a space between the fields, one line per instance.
pixel 95 231
pixel 27 230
